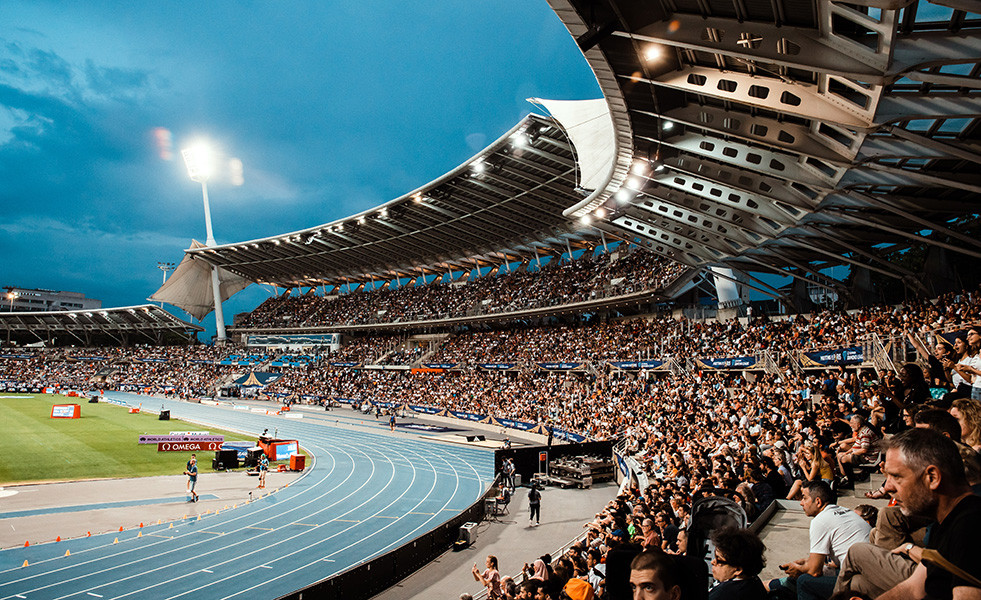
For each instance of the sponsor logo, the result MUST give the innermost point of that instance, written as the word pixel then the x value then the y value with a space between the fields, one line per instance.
pixel 188 446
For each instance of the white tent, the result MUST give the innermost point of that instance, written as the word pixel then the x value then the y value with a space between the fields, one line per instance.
pixel 189 288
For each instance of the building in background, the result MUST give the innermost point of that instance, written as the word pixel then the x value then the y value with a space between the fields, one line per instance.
pixel 34 300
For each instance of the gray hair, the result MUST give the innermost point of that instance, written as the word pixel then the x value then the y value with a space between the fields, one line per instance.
pixel 920 448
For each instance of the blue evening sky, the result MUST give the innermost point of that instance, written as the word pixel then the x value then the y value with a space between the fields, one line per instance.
pixel 331 107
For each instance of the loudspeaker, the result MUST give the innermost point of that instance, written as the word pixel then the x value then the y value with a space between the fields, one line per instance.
pixel 165 415
pixel 252 457
pixel 226 459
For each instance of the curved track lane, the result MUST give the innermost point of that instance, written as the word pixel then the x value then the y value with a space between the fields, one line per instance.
pixel 366 493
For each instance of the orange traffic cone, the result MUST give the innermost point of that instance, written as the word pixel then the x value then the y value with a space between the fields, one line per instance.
pixel 26 544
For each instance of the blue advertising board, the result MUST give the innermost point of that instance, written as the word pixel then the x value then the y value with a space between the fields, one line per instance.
pixel 840 356
pixel 560 366
pixel 513 424
pixel 468 416
pixel 732 362
pixel 633 365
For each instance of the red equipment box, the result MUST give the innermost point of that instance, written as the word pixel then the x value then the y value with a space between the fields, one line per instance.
pixel 297 462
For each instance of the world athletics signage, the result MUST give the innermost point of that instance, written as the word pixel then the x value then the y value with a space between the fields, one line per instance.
pixel 160 439
pixel 734 362
pixel 512 424
pixel 841 356
pixel 559 366
pixel 634 365
pixel 496 366
pixel 467 415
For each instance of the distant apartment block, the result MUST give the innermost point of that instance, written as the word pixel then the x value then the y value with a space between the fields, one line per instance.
pixel 35 300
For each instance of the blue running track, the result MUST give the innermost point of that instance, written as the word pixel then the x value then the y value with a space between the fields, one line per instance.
pixel 367 492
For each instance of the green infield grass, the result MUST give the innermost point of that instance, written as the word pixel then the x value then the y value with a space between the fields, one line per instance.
pixel 102 443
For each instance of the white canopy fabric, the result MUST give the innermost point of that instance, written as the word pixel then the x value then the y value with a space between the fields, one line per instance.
pixel 189 288
pixel 590 128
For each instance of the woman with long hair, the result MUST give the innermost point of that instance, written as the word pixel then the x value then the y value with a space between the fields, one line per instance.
pixel 968 414
pixel 490 578
pixel 958 364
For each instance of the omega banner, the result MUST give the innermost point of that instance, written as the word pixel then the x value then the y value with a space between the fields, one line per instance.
pixel 187 442
pixel 188 446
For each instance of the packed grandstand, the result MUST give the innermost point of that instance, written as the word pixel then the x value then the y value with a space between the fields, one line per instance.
pixel 701 405
pixel 600 291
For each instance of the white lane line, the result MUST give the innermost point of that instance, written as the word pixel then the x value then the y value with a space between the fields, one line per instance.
pixel 96 595
pixel 371 455
pixel 398 542
pixel 207 571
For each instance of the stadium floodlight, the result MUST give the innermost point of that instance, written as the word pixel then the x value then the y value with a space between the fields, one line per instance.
pixel 199 160
pixel 13 296
pixel 166 267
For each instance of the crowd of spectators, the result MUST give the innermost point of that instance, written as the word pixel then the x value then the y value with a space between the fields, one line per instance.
pixel 557 282
pixel 758 436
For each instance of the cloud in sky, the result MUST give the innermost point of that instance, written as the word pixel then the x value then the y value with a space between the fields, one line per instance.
pixel 331 107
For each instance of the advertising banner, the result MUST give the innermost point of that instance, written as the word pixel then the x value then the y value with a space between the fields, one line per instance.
pixel 467 415
pixel 559 366
pixel 66 411
pixel 428 410
pixel 635 365
pixel 513 424
pixel 623 465
pixel 343 364
pixel 562 434
pixel 732 362
pixel 496 366
pixel 439 365
pixel 182 437
pixel 284 450
pixel 826 358
pixel 188 446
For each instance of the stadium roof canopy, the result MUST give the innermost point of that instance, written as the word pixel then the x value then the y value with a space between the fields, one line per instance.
pixel 505 202
pixel 780 134
pixel 757 135
pixel 122 324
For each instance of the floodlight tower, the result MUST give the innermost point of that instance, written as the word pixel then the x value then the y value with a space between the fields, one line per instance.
pixel 166 267
pixel 200 164
pixel 12 296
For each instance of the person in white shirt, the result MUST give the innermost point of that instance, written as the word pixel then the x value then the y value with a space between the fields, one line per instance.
pixel 833 530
